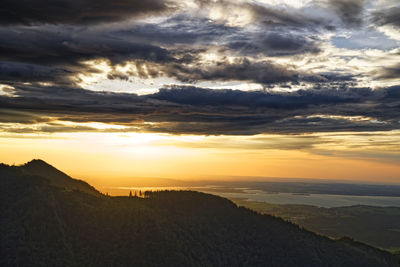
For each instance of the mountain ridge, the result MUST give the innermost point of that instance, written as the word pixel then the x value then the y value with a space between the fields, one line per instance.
pixel 55 177
pixel 43 224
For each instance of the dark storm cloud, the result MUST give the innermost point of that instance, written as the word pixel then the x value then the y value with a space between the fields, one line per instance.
pixel 242 69
pixel 265 73
pixel 51 55
pixel 48 45
pixel 178 29
pixel 290 44
pixel 276 44
pixel 270 16
pixel 62 45
pixel 292 18
pixel 56 54
pixel 43 50
pixel 389 16
pixel 205 111
pixel 203 33
pixel 19 12
pixel 349 11
pixel 388 72
pixel 251 99
pixel 11 73
pixel 28 52
pixel 16 116
pixel 171 47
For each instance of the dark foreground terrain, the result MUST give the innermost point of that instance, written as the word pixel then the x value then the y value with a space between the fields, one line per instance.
pixel 377 226
pixel 48 219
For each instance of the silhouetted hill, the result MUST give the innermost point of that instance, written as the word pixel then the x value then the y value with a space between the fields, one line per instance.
pixel 43 224
pixel 54 176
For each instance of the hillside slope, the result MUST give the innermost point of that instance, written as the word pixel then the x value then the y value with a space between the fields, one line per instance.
pixel 42 224
pixel 52 175
pixel 377 226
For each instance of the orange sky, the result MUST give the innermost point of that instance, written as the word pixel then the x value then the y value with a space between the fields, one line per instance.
pixel 117 158
pixel 204 89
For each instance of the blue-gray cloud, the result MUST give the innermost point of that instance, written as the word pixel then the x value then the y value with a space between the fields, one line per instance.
pixel 43 50
pixel 19 12
pixel 204 111
pixel 388 16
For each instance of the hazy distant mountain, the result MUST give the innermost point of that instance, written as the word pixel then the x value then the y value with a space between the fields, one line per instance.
pixel 49 219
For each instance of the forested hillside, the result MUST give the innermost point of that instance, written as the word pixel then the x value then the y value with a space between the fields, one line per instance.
pixel 377 226
pixel 47 223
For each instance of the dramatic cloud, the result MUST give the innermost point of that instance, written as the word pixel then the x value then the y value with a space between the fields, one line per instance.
pixel 51 55
pixel 325 65
pixel 12 73
pixel 205 111
pixel 389 72
pixel 49 45
pixel 243 12
pixel 242 69
pixel 18 12
pixel 389 16
pixel 350 11
pixel 276 44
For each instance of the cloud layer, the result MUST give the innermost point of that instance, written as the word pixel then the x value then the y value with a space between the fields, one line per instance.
pixel 75 11
pixel 309 68
pixel 193 110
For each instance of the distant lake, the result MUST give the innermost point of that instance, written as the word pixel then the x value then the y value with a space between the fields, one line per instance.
pixel 320 200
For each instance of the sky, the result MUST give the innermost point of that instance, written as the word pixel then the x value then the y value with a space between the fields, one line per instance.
pixel 204 88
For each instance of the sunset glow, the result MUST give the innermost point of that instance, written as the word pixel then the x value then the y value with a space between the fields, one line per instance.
pixel 205 89
pixel 122 157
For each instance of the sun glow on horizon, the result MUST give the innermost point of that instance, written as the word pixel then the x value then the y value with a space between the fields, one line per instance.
pixel 117 158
